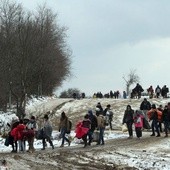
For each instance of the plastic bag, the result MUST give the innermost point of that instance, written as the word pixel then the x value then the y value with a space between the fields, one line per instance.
pixel 124 128
pixel 95 136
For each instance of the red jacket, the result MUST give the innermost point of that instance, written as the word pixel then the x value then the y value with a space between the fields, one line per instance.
pixel 20 129
pixel 14 133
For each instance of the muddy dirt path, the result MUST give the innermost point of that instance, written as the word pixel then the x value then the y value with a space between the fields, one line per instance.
pixel 79 158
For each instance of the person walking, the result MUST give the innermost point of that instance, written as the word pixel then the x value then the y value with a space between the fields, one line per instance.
pixel 99 109
pixel 145 106
pixel 166 119
pixel 93 126
pixel 101 127
pixel 21 141
pixel 32 128
pixel 154 115
pixel 47 132
pixel 63 128
pixel 128 119
pixel 86 123
pixel 158 91
pixel 13 137
pixel 108 114
pixel 138 122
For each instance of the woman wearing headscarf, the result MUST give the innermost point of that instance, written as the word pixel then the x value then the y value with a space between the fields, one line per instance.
pixel 128 119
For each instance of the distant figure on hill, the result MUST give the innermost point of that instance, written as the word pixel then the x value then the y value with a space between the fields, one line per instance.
pixel 111 94
pixel 158 91
pixel 116 94
pixel 164 91
pixel 99 95
pixel 94 95
pixel 124 95
pixel 150 91
pixel 138 89
pixel 74 96
pixel 83 95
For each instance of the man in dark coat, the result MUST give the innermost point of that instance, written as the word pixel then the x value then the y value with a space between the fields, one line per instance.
pixel 128 119
pixel 138 90
pixel 145 106
pixel 93 120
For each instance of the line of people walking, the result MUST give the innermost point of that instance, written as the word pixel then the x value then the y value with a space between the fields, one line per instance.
pixel 146 115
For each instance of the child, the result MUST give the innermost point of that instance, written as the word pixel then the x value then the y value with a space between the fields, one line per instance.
pixel 138 122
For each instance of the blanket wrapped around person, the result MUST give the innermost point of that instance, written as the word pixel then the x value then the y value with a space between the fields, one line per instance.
pixel 80 131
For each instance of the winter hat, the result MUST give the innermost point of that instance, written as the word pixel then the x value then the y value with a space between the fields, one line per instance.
pixel 153 106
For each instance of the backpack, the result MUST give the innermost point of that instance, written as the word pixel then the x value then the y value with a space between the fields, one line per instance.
pixel 158 90
pixel 32 125
pixel 70 126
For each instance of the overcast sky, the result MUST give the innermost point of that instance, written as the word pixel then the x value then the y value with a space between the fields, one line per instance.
pixel 109 38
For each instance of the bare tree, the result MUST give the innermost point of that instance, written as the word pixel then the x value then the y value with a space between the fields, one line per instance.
pixel 33 53
pixel 131 78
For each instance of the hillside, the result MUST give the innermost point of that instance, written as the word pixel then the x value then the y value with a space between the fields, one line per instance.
pixel 76 109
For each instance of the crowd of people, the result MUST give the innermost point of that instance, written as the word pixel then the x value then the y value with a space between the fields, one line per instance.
pixel 157 92
pixel 146 115
pixel 136 92
pixel 27 130
pixel 92 121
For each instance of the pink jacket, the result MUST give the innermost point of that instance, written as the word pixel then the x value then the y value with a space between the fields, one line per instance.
pixel 138 120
